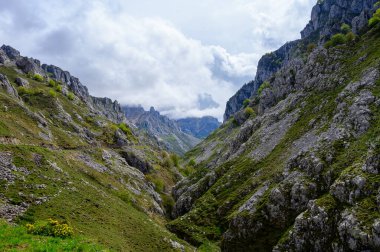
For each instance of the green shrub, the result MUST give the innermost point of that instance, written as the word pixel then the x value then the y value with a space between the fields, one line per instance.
pixel 187 171
pixel 350 36
pixel 29 91
pixel 337 39
pixel 249 112
pixel 50 228
pixel 58 88
pixel 52 83
pixel 375 18
pixel 52 93
pixel 263 86
pixel 246 102
pixel 192 162
pixel 70 96
pixel 38 77
pixel 175 159
pixel 345 28
pixel 311 47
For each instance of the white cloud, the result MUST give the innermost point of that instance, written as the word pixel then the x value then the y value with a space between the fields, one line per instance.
pixel 142 55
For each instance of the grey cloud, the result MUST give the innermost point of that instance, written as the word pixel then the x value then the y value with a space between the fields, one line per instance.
pixel 205 101
pixel 146 53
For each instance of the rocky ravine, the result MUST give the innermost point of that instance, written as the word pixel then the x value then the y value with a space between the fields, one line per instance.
pixel 300 172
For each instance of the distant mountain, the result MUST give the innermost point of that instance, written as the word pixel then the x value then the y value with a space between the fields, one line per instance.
pixel 199 127
pixel 166 131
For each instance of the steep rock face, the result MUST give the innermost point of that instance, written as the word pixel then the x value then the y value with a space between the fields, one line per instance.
pixel 301 173
pixel 199 127
pixel 268 65
pixel 10 57
pixel 328 15
pixel 107 107
pixel 326 20
pixel 166 131
pixel 71 81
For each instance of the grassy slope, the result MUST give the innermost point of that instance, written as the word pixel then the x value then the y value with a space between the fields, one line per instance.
pixel 16 238
pixel 201 225
pixel 85 198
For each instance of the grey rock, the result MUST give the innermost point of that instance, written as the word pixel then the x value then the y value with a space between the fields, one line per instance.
pixel 22 82
pixel 372 164
pixel 29 65
pixel 7 87
pixel 10 52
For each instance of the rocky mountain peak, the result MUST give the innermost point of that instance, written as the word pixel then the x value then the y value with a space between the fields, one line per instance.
pixel 328 15
pixel 326 19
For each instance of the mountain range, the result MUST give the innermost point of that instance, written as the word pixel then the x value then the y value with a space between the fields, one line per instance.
pixel 294 167
pixel 177 136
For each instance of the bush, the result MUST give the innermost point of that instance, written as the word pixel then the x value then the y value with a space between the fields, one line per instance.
pixel 50 228
pixel 175 159
pixel 58 88
pixel 52 83
pixel 350 37
pixel 187 171
pixel 337 39
pixel 52 93
pixel 375 18
pixel 70 96
pixel 192 162
pixel 246 102
pixel 345 28
pixel 311 47
pixel 28 91
pixel 263 86
pixel 249 112
pixel 38 77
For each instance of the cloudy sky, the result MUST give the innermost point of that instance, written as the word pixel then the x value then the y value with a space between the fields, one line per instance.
pixel 185 58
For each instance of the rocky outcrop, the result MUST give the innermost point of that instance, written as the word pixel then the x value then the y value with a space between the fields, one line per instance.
pixel 65 77
pixel 326 19
pixel 328 16
pixel 268 65
pixel 108 108
pixel 5 85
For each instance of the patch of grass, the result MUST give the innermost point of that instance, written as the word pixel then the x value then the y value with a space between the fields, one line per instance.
pixel 16 238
